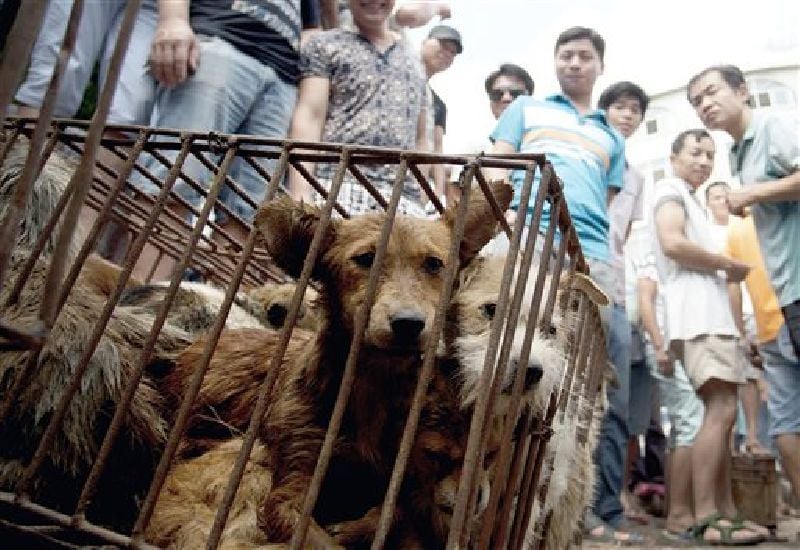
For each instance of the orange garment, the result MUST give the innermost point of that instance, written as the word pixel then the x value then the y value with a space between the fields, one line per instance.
pixel 742 245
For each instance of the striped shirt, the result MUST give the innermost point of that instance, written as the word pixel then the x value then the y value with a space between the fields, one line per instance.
pixel 588 155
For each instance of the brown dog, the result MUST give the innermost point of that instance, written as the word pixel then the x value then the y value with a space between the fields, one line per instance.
pixel 311 370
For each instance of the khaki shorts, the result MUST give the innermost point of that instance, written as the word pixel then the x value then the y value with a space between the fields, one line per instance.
pixel 710 356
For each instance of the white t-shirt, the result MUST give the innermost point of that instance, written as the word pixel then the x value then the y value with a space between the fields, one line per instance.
pixel 696 303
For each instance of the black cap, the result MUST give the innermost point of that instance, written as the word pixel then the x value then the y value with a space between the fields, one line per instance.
pixel 443 32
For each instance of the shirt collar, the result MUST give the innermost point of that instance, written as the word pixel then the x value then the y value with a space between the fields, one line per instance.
pixel 563 99
pixel 749 133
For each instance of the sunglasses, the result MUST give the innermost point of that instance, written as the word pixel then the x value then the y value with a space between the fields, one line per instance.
pixel 498 93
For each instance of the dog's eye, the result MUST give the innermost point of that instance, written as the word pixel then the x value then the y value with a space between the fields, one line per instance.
pixel 552 330
pixel 364 260
pixel 443 460
pixel 433 265
pixel 488 310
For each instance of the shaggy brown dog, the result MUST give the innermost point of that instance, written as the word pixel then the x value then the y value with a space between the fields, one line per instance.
pixel 311 370
pixel 184 512
pixel 75 447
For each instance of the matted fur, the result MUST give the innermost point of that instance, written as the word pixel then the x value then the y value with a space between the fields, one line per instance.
pixel 427 495
pixel 193 490
pixel 75 447
pixel 195 308
pixel 46 191
pixel 311 370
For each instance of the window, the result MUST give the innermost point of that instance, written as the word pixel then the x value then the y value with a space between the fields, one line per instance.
pixel 764 99
pixel 651 126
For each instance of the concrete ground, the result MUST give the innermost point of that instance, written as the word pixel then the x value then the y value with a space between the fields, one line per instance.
pixel 787 536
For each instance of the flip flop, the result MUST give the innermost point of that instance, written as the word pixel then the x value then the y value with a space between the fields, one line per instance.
pixel 714 521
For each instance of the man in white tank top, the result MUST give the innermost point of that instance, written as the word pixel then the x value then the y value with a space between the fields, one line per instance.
pixel 699 328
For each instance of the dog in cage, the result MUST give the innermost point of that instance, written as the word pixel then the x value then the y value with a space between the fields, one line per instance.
pixel 194 487
pixel 35 396
pixel 196 305
pixel 32 384
pixel 311 370
pixel 571 481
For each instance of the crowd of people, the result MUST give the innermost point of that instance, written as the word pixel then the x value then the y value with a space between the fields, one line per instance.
pixel 267 68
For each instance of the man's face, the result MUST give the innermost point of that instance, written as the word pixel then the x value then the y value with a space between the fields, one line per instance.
pixel 504 90
pixel 371 13
pixel 438 55
pixel 718 203
pixel 625 114
pixel 694 161
pixel 577 67
pixel 718 105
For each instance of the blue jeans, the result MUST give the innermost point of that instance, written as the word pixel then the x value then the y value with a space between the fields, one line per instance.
pixel 613 443
pixel 97 35
pixel 230 93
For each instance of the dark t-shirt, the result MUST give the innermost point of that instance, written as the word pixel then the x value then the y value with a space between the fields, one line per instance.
pixel 439 112
pixel 268 30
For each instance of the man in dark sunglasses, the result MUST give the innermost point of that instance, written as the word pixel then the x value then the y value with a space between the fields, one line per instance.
pixel 505 85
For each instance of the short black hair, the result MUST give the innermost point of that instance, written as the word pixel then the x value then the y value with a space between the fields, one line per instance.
pixel 731 74
pixel 680 140
pixel 623 89
pixel 580 33
pixel 711 185
pixel 512 71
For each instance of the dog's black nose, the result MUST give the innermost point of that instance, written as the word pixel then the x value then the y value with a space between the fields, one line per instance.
pixel 276 315
pixel 532 375
pixel 407 325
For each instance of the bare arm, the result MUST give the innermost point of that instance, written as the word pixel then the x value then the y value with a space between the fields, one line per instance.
pixel 735 296
pixel 174 51
pixel 647 291
pixel 784 189
pixel 308 120
pixel 670 222
pixel 500 148
pixel 417 14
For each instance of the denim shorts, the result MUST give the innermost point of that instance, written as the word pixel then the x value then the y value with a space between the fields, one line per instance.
pixel 684 408
pixel 230 93
pixel 97 35
pixel 783 390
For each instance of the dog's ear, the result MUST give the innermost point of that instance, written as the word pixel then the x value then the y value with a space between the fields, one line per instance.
pixel 286 228
pixel 586 284
pixel 481 224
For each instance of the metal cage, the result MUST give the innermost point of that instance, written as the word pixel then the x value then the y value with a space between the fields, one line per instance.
pixel 108 159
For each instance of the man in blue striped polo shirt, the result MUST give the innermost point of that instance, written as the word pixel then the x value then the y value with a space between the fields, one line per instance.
pixel 588 156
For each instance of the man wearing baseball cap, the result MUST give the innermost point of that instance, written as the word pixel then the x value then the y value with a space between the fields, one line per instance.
pixel 438 52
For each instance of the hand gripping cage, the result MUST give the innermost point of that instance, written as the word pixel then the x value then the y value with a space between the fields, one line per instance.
pixel 110 156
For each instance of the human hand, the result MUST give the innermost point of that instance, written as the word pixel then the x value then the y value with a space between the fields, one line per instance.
pixel 174 52
pixel 666 365
pixel 738 200
pixel 735 270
